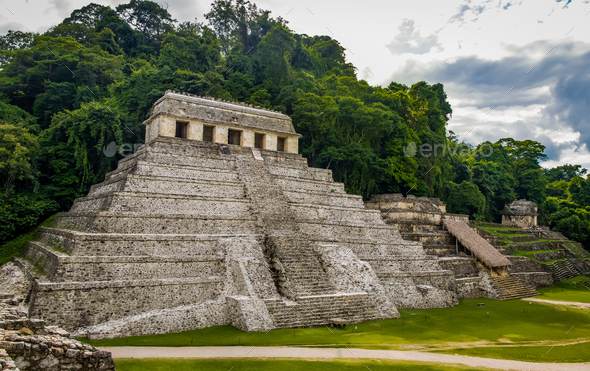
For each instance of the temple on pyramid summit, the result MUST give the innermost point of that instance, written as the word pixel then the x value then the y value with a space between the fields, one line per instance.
pixel 217 220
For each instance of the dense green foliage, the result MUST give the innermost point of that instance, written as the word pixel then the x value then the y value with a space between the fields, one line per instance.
pixel 90 81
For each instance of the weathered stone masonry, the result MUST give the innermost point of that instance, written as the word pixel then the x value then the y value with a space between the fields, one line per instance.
pixel 189 233
pixel 28 344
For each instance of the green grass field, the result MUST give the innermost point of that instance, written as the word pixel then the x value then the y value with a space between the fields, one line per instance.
pixel 503 238
pixel 531 255
pixel 565 291
pixel 514 321
pixel 166 364
pixel 570 353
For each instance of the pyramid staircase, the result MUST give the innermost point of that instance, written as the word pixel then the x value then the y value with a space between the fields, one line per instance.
pixel 308 211
pixel 320 310
pixel 300 263
pixel 563 270
pixel 509 287
pixel 307 296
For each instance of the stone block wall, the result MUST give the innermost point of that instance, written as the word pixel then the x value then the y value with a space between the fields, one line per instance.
pixel 68 303
pixel 470 288
pixel 105 244
pixel 349 274
pixel 461 267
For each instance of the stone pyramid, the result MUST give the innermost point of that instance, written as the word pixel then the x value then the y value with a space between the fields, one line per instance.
pixel 191 231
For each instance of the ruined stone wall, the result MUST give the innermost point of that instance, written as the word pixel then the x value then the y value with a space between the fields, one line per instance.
pixel 14 280
pixel 349 274
pixel 521 221
pixel 30 345
pixel 462 267
pixel 535 279
pixel 531 272
pixel 423 210
pixel 421 290
pixel 470 288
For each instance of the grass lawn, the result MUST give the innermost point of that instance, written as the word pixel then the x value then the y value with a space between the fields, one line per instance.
pixel 504 238
pixel 565 291
pixel 161 364
pixel 576 248
pixel 514 321
pixel 531 255
pixel 570 353
pixel 15 247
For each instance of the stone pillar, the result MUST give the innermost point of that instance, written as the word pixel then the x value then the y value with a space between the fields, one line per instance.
pixel 195 130
pixel 292 144
pixel 247 138
pixel 271 142
pixel 152 130
pixel 167 126
pixel 220 135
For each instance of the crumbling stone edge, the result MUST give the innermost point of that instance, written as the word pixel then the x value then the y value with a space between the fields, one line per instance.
pixel 29 344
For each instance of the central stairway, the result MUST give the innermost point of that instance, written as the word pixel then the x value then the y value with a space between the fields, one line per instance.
pixel 307 296
pixel 319 310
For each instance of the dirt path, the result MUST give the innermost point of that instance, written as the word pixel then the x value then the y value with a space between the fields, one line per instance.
pixel 568 303
pixel 280 352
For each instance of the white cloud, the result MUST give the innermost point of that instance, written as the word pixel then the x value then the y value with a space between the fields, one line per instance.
pixel 63 8
pixel 409 40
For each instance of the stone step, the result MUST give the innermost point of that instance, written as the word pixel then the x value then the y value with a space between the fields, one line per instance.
pixel 133 222
pixel 323 198
pixel 334 214
pixel 563 270
pixel 154 203
pixel 510 287
pixel 135 244
pixel 301 173
pixel 318 310
pixel 60 267
pixel 219 170
pixel 167 185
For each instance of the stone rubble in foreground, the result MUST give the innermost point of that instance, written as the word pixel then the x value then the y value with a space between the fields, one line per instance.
pixel 28 344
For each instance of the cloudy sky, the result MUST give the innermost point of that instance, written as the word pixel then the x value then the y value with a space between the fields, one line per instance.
pixel 517 68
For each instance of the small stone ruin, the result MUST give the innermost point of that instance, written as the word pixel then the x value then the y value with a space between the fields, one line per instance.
pixel 521 213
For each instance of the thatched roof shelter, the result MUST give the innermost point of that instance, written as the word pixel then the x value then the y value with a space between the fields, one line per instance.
pixel 481 248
